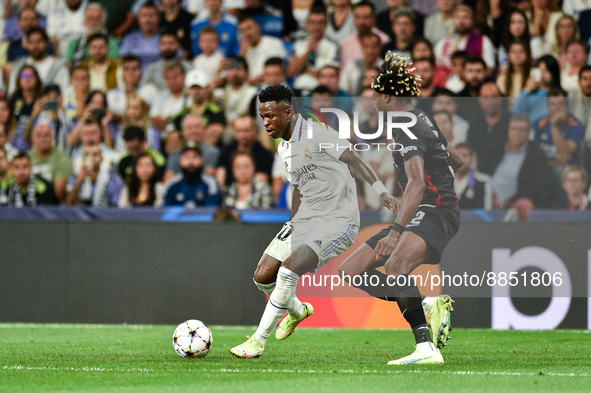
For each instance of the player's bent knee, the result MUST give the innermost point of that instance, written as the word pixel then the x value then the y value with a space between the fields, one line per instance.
pixel 397 265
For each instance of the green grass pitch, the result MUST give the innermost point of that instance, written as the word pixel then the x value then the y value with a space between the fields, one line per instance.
pixel 140 358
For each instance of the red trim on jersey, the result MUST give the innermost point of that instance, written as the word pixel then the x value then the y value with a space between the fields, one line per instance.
pixel 433 189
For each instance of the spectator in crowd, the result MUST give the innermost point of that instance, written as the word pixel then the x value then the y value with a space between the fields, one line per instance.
pixel 491 18
pixel 8 129
pixel 211 59
pixel 365 22
pixel 301 12
pixel 340 20
pixel 446 102
pixel 136 143
pixel 193 133
pixel 143 188
pixel 247 192
pixel 352 74
pixel 75 95
pixel 445 124
pixel 517 29
pixel 4 162
pixel 169 48
pixel 169 103
pixel 104 71
pixel 474 75
pixel 544 17
pixel 51 70
pixel 455 82
pixel 13 30
pixel 17 49
pixel 202 104
pixel 275 17
pixel 403 25
pixel 581 109
pixel 175 17
pixel 467 38
pixel 245 133
pixel 144 43
pixel 257 48
pixel 65 24
pixel 237 94
pixel 519 176
pixel 422 49
pixel 311 53
pixel 533 100
pixel 192 188
pixel 223 22
pixel 511 81
pixel 49 109
pixel 565 31
pixel 49 162
pixel 91 134
pixel 132 84
pixel 95 109
pixel 385 19
pixel 29 89
pixel 577 53
pixel 93 186
pixel 95 20
pixel 560 136
pixel 574 182
pixel 474 188
pixel 136 114
pixel 23 187
pixel 425 68
pixel 329 76
pixel 488 133
pixel 440 24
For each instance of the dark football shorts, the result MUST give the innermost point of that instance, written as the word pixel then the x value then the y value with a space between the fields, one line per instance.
pixel 435 225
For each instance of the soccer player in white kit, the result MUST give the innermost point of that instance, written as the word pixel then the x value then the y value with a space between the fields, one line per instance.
pixel 325 212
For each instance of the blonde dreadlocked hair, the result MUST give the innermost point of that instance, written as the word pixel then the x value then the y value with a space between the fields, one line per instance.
pixel 396 78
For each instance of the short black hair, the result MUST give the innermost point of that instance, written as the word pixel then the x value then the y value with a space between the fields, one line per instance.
pixel 396 77
pixel 20 156
pixel 234 61
pixel 169 31
pixel 365 3
pixel 584 69
pixel 97 36
pixel 38 30
pixel 321 89
pixel 277 93
pixel 132 133
pixel 275 61
pixel 130 58
pixel 475 60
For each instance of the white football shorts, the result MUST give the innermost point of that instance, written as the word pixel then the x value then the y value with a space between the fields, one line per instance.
pixel 328 237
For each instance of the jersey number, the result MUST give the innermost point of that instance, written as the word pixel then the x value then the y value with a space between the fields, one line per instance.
pixel 416 221
pixel 285 232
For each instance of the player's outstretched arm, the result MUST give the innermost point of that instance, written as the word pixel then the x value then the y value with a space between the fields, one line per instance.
pixel 353 159
pixel 455 159
pixel 413 195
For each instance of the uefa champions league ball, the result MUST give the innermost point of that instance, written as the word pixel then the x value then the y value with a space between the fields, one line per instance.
pixel 192 339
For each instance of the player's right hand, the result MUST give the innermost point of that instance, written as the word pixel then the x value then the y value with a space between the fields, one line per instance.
pixel 390 202
pixel 386 246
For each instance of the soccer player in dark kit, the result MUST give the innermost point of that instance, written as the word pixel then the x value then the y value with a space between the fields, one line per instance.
pixel 428 219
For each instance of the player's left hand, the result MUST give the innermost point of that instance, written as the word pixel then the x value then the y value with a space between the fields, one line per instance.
pixel 390 202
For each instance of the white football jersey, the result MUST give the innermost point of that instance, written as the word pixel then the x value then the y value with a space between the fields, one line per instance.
pixel 312 164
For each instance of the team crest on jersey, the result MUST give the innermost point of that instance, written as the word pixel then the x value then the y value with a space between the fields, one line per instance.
pixel 308 155
pixel 225 36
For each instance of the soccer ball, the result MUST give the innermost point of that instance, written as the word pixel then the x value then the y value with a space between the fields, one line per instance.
pixel 192 339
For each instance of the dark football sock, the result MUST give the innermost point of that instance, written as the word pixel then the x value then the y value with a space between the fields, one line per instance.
pixel 409 301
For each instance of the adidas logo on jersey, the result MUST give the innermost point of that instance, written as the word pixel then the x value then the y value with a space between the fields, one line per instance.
pixel 318 242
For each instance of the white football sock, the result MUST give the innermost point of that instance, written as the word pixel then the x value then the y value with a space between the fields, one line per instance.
pixel 427 303
pixel 426 348
pixel 280 302
pixel 267 288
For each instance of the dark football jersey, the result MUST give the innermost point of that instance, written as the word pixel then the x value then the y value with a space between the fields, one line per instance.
pixel 429 145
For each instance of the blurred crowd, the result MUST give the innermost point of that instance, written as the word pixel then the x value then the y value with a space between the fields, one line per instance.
pixel 154 102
